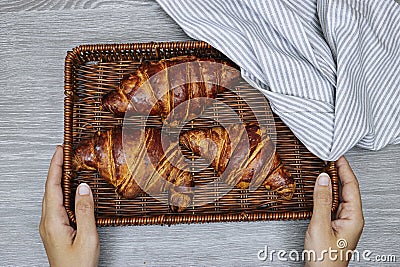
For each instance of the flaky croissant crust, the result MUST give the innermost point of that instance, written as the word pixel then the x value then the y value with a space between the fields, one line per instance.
pixel 157 88
pixel 137 163
pixel 244 164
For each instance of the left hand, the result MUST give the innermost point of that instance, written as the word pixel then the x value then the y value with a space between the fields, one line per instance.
pixel 64 245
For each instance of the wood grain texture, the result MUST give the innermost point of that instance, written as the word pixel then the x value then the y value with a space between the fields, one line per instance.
pixel 33 46
pixel 46 5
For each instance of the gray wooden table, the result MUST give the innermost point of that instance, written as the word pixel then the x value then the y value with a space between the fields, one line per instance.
pixel 34 38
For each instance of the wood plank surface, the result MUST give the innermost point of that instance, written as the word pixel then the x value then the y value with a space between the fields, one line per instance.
pixel 34 38
pixel 46 5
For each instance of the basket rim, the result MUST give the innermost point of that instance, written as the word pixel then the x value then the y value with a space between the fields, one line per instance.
pixel 75 58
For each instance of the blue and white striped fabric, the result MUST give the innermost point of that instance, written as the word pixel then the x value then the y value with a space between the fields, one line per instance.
pixel 330 69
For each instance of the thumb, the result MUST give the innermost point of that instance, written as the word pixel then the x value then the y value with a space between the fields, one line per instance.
pixel 84 211
pixel 321 218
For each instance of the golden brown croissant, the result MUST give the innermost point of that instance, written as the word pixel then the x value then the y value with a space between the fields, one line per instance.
pixel 134 160
pixel 259 165
pixel 157 88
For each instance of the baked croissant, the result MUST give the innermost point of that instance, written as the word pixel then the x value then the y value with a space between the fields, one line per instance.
pixel 226 150
pixel 157 88
pixel 134 161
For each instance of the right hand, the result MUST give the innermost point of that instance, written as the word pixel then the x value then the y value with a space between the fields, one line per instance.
pixel 322 233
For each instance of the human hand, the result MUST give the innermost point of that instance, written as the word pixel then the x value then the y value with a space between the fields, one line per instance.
pixel 64 245
pixel 343 233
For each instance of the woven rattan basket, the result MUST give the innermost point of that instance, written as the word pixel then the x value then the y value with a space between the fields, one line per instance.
pixel 93 70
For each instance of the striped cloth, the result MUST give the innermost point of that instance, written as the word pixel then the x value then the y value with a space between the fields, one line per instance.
pixel 330 69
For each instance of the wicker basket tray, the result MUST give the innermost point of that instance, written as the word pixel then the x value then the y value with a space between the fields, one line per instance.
pixel 93 70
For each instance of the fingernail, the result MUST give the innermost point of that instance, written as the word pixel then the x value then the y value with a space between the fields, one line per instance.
pixel 323 179
pixel 83 189
pixel 58 147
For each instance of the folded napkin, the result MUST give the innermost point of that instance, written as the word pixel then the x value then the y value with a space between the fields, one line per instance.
pixel 330 69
